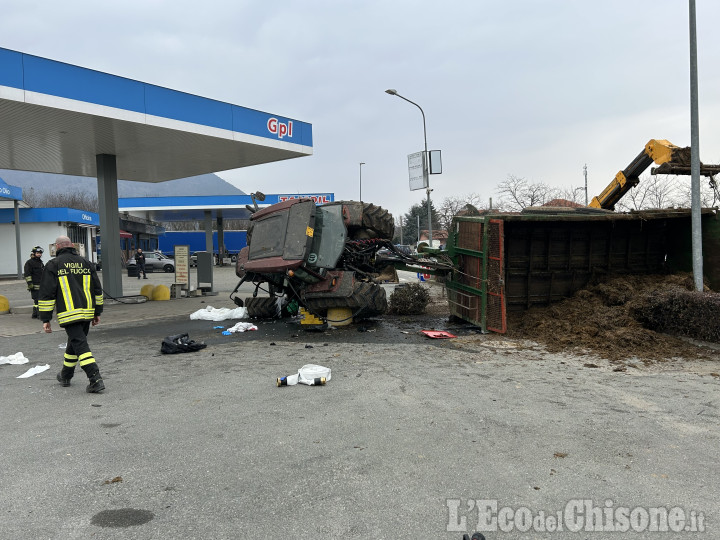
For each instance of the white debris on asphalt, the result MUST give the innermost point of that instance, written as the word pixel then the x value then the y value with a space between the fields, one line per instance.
pixel 15 359
pixel 241 327
pixel 309 374
pixel 33 371
pixel 220 314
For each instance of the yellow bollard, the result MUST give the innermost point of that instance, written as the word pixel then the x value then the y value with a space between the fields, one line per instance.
pixel 4 305
pixel 147 291
pixel 161 292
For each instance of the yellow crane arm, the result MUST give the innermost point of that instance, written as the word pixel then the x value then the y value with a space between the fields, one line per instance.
pixel 656 150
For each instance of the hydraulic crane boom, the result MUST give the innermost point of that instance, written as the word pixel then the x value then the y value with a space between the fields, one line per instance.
pixel 656 150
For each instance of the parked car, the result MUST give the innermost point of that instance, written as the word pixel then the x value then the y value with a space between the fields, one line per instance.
pixel 155 262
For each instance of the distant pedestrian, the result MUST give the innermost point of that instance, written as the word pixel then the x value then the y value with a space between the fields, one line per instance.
pixel 140 261
pixel 71 286
pixel 33 272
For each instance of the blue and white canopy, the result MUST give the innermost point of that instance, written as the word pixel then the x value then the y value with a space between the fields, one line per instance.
pixel 56 117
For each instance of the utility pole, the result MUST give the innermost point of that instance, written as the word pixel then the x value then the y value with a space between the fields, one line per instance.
pixel 586 193
pixel 696 222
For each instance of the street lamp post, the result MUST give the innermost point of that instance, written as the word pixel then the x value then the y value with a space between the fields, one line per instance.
pixel 393 92
pixel 361 164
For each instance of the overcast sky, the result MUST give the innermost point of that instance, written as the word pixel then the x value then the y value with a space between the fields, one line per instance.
pixel 536 89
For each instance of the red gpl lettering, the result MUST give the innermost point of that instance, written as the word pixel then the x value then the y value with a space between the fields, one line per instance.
pixel 279 128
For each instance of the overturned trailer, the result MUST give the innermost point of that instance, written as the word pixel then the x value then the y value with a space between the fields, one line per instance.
pixel 506 262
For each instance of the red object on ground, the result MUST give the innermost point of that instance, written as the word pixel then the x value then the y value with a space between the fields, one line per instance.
pixel 438 334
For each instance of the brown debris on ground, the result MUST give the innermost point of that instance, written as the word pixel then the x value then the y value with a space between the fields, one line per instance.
pixel 604 319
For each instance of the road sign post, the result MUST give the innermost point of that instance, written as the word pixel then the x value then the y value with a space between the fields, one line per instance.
pixel 417 169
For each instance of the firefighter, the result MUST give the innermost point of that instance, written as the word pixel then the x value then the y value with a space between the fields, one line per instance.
pixel 71 286
pixel 33 272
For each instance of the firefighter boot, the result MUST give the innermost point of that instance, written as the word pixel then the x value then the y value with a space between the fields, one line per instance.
pixel 64 375
pixel 35 314
pixel 96 383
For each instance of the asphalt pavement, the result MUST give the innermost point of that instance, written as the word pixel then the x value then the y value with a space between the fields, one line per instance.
pixel 411 438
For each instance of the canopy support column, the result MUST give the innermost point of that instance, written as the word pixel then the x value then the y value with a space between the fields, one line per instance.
pixel 109 224
pixel 17 241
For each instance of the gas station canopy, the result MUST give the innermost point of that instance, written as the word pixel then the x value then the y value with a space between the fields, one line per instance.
pixel 60 118
pixel 57 118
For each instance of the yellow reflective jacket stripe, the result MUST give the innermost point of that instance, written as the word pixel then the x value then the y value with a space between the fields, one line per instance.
pixel 81 314
pixel 46 305
pixel 67 294
pixel 87 291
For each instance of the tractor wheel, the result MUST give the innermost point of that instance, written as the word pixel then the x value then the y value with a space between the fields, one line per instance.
pixel 263 307
pixel 378 220
pixel 375 221
pixel 367 300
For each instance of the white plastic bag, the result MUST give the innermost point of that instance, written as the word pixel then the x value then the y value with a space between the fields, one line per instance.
pixel 220 314
pixel 33 371
pixel 241 327
pixel 15 359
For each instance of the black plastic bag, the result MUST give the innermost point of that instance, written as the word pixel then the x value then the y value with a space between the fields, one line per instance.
pixel 180 344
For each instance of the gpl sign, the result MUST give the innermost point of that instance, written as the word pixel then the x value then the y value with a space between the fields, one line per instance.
pixel 276 127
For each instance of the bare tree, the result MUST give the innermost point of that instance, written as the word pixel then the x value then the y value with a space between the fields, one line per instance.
pixel 660 191
pixel 517 193
pixel 77 199
pixel 709 194
pixel 228 225
pixel 576 195
pixel 451 206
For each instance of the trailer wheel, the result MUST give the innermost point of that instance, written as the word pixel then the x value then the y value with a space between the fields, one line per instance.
pixel 264 307
pixel 367 300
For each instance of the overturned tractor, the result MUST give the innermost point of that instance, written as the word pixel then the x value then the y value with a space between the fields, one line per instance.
pixel 316 257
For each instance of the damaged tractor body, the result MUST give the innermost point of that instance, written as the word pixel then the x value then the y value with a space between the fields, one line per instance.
pixel 316 257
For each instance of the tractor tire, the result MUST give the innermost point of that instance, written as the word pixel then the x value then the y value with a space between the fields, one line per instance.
pixel 262 307
pixel 367 300
pixel 375 222
pixel 378 220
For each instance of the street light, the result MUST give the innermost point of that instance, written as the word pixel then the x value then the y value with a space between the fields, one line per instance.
pixel 361 164
pixel 393 92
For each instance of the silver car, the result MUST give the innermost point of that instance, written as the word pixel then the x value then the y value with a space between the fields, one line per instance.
pixel 155 262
